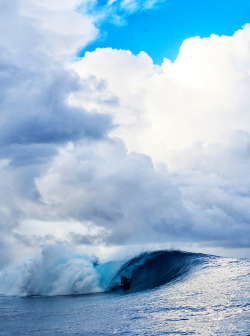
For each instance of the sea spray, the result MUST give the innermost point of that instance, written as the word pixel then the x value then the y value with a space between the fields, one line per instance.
pixel 58 270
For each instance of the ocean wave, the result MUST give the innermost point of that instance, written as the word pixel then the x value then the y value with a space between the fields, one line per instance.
pixel 152 269
pixel 61 271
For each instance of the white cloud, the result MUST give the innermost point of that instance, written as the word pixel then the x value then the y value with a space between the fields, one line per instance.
pixel 135 5
pixel 64 28
pixel 116 11
pixel 200 96
pixel 123 76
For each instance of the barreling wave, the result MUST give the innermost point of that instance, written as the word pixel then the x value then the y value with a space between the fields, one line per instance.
pixel 153 269
pixel 61 271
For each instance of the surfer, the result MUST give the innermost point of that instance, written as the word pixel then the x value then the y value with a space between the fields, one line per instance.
pixel 125 282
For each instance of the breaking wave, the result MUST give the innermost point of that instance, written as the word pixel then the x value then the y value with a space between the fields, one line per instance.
pixel 61 271
pixel 152 269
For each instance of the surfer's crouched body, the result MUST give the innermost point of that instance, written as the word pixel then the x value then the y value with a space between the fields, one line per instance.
pixel 125 283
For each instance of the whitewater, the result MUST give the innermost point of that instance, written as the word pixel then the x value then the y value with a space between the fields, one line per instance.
pixel 64 292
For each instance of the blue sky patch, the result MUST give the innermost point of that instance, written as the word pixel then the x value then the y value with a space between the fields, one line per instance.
pixel 161 30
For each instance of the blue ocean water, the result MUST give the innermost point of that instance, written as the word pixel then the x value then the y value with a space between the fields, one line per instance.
pixel 171 293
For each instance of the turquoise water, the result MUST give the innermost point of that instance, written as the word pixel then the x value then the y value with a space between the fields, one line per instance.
pixel 199 295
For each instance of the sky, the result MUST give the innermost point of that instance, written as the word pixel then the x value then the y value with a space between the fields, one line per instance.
pixel 125 126
pixel 161 30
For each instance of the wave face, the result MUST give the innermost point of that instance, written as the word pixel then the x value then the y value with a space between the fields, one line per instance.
pixel 61 271
pixel 152 269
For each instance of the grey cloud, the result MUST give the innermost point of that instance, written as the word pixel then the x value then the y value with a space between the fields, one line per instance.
pixel 34 91
pixel 241 242
pixel 133 202
pixel 28 154
pixel 35 119
pixel 33 240
pixel 34 110
pixel 216 190
pixel 77 239
pixel 113 189
pixel 6 253
pixel 96 90
pixel 80 239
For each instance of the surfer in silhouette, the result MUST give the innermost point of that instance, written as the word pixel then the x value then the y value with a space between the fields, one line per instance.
pixel 125 282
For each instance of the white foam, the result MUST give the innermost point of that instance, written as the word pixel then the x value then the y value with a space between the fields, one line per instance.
pixel 58 270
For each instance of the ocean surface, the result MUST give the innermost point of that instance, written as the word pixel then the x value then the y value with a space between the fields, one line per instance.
pixel 171 293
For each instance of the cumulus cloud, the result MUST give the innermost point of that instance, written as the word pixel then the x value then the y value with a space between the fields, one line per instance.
pixel 35 116
pixel 198 97
pixel 109 66
pixel 123 193
pixel 215 185
pixel 66 172
pixel 131 201
pixel 64 28
pixel 34 92
pixel 61 177
pixel 193 115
